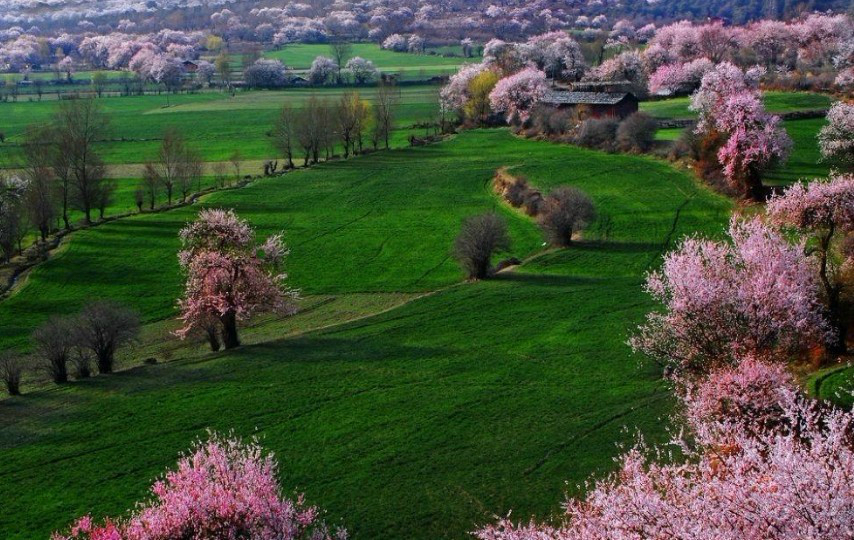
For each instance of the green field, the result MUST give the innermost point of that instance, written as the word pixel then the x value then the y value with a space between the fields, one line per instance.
pixel 775 102
pixel 299 57
pixel 420 422
pixel 215 123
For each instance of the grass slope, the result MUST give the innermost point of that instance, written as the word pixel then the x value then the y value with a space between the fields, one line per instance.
pixel 421 422
pixel 775 102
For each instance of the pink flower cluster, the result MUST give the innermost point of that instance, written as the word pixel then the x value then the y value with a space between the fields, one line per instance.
pixel 757 294
pixel 517 94
pixel 224 489
pixel 673 78
pixel 817 205
pixel 454 95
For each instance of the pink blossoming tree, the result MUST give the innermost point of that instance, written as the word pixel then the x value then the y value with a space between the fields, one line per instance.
pixel 729 105
pixel 823 211
pixel 517 94
pixel 227 280
pixel 836 139
pixel 722 300
pixel 224 489
pixel 787 484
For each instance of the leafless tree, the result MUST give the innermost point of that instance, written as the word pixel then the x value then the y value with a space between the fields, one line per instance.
pixel 151 182
pixel 309 129
pixel 384 111
pixel 102 328
pixel 170 158
pixel 236 160
pixel 139 197
pixel 220 174
pixel 11 369
pixel 479 239
pixel 341 50
pixel 79 125
pixel 637 133
pixel 13 219
pixel 566 210
pixel 40 196
pixel 107 189
pixel 284 133
pixel 189 172
pixel 54 342
pixel 352 116
pixel 82 360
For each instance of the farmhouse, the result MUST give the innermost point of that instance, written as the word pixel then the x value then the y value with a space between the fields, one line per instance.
pixel 599 104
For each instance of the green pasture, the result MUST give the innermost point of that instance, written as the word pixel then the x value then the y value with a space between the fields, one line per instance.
pixel 466 401
pixel 775 102
pixel 300 57
pixel 216 123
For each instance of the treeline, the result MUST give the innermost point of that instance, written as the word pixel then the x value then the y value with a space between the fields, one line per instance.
pixel 736 11
pixel 315 129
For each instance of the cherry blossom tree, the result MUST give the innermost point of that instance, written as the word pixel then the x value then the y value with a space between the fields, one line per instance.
pixel 224 488
pixel 227 280
pixel 363 71
pixel 455 94
pixel 266 73
pixel 395 42
pixel 675 78
pixel 786 484
pixel 824 211
pixel 771 40
pixel 517 94
pixel 729 104
pixel 323 70
pixel 836 139
pixel 754 295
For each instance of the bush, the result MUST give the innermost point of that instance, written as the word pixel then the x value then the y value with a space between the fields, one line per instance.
pixel 102 328
pixel 53 342
pixel 11 369
pixel 637 133
pixel 598 133
pixel 479 238
pixel 565 211
pixel 82 364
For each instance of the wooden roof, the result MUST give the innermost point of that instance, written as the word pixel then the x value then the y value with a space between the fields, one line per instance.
pixel 585 98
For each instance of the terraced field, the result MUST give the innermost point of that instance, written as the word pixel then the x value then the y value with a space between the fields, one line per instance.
pixel 456 401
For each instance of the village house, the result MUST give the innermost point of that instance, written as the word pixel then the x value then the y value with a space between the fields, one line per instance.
pixel 600 99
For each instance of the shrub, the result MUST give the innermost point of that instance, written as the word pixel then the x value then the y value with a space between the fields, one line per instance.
pixel 102 328
pixel 480 237
pixel 53 342
pixel 637 133
pixel 11 369
pixel 565 211
pixel 82 364
pixel 598 133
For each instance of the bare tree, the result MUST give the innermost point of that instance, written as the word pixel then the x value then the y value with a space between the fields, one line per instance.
pixel 220 174
pixel 107 189
pixel 11 369
pixel 189 172
pixel 352 115
pixel 139 197
pixel 170 157
pixel 82 360
pixel 102 328
pixel 13 219
pixel 53 342
pixel 565 211
pixel 384 110
pixel 284 133
pixel 341 50
pixel 39 198
pixel 151 182
pixel 479 239
pixel 309 129
pixel 79 125
pixel 236 160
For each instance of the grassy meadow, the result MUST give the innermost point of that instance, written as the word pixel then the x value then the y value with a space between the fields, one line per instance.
pixel 454 402
pixel 410 66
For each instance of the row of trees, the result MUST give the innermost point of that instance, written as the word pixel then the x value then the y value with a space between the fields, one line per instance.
pixel 62 170
pixel 96 333
pixel 316 127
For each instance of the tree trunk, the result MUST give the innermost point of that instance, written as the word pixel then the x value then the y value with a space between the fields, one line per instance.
pixel 229 331
pixel 105 363
pixel 213 338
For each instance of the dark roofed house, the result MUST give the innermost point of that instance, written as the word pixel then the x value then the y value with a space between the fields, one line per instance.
pixel 190 66
pixel 599 104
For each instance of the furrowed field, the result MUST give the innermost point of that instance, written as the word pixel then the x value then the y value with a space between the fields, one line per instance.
pixel 420 421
